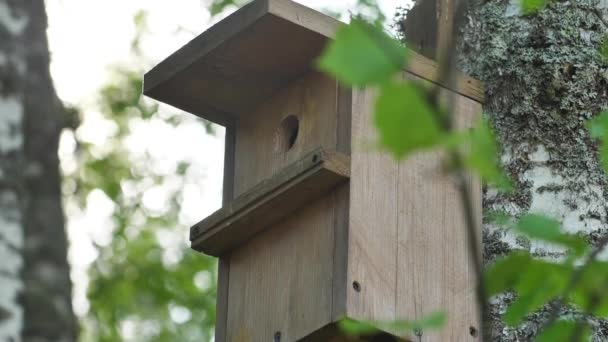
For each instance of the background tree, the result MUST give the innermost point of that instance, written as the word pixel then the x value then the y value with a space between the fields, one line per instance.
pixel 35 301
pixel 146 284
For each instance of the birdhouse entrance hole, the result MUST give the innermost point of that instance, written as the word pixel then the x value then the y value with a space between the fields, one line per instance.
pixel 287 133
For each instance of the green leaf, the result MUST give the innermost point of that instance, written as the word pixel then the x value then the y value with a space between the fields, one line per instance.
pixel 483 156
pixel 532 6
pixel 362 54
pixel 546 229
pixel 534 281
pixel 217 6
pixel 562 331
pixel 505 273
pixel 354 328
pixel 404 119
pixel 604 48
pixel 590 291
pixel 500 218
pixel 433 321
pixel 598 129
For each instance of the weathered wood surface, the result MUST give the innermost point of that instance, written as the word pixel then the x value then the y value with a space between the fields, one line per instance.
pixel 270 201
pixel 244 59
pixel 407 242
pixel 260 149
pixel 223 276
pixel 282 279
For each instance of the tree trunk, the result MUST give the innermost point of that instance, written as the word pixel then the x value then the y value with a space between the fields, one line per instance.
pixel 35 288
pixel 544 78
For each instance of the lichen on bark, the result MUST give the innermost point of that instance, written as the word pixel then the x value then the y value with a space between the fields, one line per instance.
pixel 544 78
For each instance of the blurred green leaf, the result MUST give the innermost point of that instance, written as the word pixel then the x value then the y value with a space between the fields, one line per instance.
pixel 546 229
pixel 604 48
pixel 598 129
pixel 362 54
pixel 562 331
pixel 217 6
pixel 532 6
pixel 497 217
pixel 482 156
pixel 590 292
pixel 354 328
pixel 534 281
pixel 404 119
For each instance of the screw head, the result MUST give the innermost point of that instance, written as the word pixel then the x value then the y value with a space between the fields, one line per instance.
pixel 356 286
pixel 473 331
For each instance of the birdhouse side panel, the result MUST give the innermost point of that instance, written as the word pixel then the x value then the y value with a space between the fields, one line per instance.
pixel 408 252
pixel 295 121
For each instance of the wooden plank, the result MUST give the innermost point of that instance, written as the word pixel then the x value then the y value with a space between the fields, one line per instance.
pixel 270 201
pixel 434 271
pixel 344 104
pixel 209 76
pixel 407 241
pixel 372 245
pixel 260 148
pixel 428 70
pixel 223 277
pixel 281 280
pixel 340 252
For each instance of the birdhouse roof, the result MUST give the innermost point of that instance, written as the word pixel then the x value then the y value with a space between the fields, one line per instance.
pixel 242 60
pixel 229 69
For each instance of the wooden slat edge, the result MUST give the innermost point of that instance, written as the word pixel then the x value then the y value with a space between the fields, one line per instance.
pixel 418 65
pixel 333 167
pixel 305 16
pixel 256 192
pixel 201 45
pixel 429 70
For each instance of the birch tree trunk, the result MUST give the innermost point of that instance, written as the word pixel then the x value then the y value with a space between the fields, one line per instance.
pixel 544 79
pixel 35 288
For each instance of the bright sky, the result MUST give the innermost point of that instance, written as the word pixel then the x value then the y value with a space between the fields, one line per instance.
pixel 87 37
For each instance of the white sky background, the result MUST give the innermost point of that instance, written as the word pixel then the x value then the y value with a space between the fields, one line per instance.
pixel 86 37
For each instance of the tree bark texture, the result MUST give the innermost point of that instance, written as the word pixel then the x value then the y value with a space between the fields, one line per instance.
pixel 35 287
pixel 544 78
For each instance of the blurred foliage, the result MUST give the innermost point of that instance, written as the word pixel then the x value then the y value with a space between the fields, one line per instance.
pixel 402 328
pixel 146 284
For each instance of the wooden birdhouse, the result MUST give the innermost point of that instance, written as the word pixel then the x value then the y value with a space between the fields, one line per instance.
pixel 316 225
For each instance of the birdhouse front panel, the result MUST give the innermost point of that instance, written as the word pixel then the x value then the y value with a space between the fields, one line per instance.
pixel 293 122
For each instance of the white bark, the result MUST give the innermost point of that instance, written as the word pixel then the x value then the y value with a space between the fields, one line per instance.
pixel 11 145
pixel 11 223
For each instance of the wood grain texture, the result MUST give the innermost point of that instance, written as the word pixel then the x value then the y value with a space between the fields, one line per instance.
pixel 260 152
pixel 373 220
pixel 270 201
pixel 428 70
pixel 281 280
pixel 223 276
pixel 407 240
pixel 434 271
